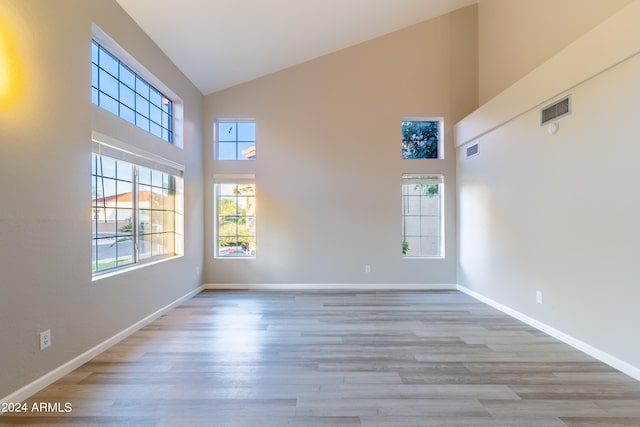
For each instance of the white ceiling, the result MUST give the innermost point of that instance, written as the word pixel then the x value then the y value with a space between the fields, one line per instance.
pixel 221 43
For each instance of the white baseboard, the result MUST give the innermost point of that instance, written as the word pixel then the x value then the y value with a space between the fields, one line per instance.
pixel 327 286
pixel 594 352
pixel 51 377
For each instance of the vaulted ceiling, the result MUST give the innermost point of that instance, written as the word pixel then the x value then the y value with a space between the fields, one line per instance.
pixel 221 43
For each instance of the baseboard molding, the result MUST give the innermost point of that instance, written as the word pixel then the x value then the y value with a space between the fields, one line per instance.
pixel 51 377
pixel 594 352
pixel 327 286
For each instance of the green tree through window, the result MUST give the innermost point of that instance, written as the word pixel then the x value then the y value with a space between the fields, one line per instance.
pixel 420 139
pixel 236 223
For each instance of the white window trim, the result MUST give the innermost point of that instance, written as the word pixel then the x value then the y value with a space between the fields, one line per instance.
pixel 112 147
pixel 216 147
pixel 178 104
pixel 228 179
pixel 442 218
pixel 440 121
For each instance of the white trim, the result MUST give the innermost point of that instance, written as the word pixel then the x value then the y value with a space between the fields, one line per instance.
pixel 440 121
pixel 594 352
pixel 216 151
pixel 142 264
pixel 49 378
pixel 423 119
pixel 234 178
pixel 112 147
pixel 68 367
pixel 328 286
pixel 406 178
pixel 127 59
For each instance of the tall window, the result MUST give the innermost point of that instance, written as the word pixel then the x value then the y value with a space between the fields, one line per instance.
pixel 119 90
pixel 235 140
pixel 422 216
pixel 422 138
pixel 136 213
pixel 235 218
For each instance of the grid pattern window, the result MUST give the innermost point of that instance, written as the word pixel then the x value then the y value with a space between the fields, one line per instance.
pixel 235 220
pixel 134 214
pixel 422 138
pixel 156 213
pixel 422 216
pixel 119 90
pixel 236 140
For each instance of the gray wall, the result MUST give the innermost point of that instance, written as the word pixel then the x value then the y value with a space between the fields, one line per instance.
pixel 559 213
pixel 328 169
pixel 45 222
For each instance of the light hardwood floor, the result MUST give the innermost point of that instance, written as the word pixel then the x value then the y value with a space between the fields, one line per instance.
pixel 329 358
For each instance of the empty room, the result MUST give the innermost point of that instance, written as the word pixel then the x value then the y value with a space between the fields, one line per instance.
pixel 319 213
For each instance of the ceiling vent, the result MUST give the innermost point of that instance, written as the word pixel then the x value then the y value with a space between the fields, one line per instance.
pixel 472 150
pixel 555 111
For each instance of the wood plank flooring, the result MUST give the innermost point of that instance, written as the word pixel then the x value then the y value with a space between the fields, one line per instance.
pixel 329 358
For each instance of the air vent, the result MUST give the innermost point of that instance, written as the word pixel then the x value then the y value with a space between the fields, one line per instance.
pixel 472 150
pixel 555 111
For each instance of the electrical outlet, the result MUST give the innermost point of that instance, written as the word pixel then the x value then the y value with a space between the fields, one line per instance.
pixel 539 297
pixel 45 339
pixel 367 268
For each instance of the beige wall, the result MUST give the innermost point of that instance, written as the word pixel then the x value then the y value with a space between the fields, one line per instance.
pixel 515 36
pixel 558 213
pixel 45 153
pixel 328 169
pixel 328 175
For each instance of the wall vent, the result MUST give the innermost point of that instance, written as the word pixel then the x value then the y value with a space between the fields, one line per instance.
pixel 555 111
pixel 472 150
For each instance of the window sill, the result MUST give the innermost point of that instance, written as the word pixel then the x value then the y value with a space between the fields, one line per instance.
pixel 100 276
pixel 423 257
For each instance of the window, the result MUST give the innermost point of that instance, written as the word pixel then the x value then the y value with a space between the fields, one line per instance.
pixel 119 90
pixel 136 210
pixel 422 138
pixel 422 216
pixel 235 200
pixel 236 140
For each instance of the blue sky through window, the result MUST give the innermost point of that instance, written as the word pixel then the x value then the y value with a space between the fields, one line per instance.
pixel 119 90
pixel 236 140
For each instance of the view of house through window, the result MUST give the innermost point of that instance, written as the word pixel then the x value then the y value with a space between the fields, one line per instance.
pixel 421 138
pixel 135 213
pixel 235 140
pixel 235 218
pixel 422 216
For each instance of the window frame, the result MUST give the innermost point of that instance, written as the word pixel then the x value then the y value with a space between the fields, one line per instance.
pixel 440 144
pixel 423 179
pixel 170 184
pixel 236 141
pixel 236 180
pixel 142 93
